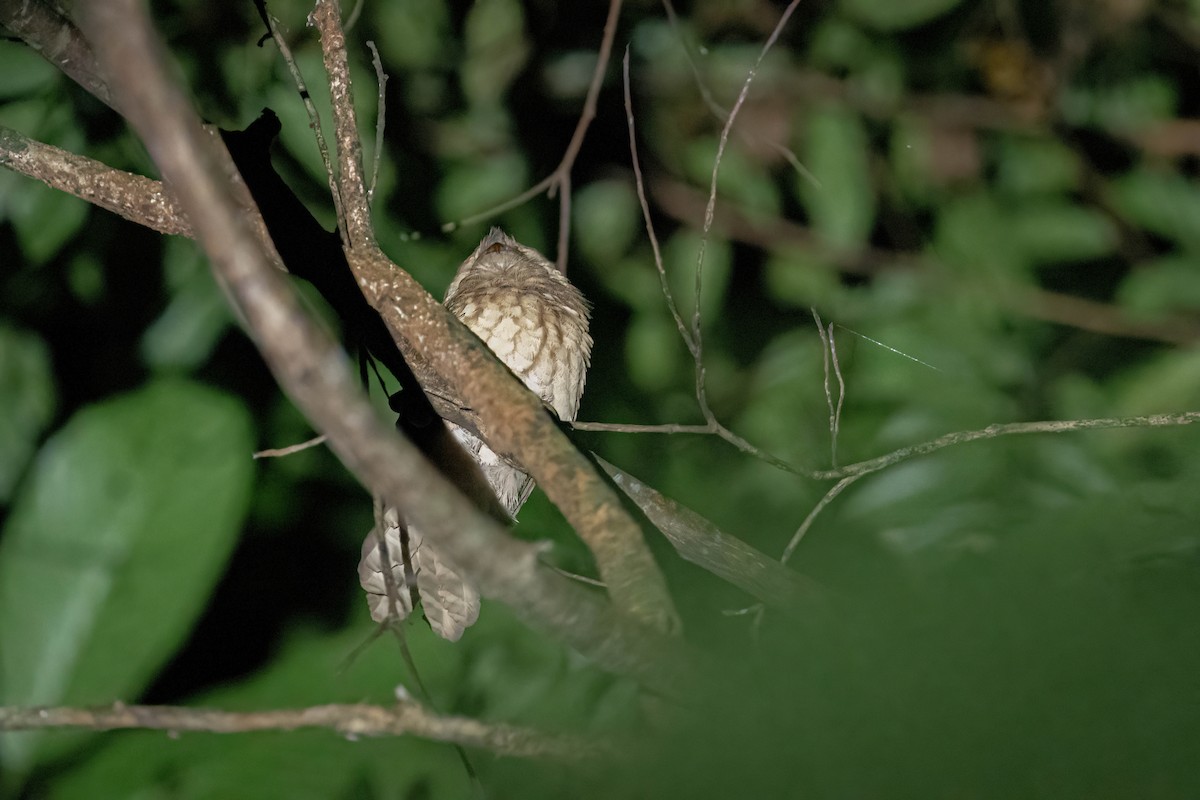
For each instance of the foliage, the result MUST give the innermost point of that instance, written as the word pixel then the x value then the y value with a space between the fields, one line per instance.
pixel 1006 618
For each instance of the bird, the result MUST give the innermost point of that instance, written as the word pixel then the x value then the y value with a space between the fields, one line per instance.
pixel 536 322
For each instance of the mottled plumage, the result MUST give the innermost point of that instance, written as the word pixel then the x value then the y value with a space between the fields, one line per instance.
pixel 536 322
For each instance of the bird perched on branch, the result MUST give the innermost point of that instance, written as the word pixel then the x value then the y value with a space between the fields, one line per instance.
pixel 536 322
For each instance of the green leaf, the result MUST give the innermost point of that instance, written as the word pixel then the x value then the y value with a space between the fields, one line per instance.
pixel 1058 231
pixel 607 220
pixel 26 402
pixel 1027 165
pixel 1165 203
pixel 653 350
pixel 680 256
pixel 496 49
pixel 195 318
pixel 474 186
pixel 23 71
pixel 114 545
pixel 1167 284
pixel 841 199
pixel 893 15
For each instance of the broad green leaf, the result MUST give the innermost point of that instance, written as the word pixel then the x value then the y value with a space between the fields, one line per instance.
pixel 26 402
pixel 892 15
pixel 115 543
pixel 840 196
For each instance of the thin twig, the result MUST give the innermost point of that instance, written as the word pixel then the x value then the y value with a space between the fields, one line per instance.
pixel 1008 429
pixel 314 119
pixel 641 193
pixel 381 79
pixel 721 113
pixel 403 719
pixel 280 452
pixel 837 489
pixel 560 179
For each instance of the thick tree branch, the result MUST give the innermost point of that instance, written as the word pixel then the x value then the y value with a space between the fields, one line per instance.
pixel 315 373
pixel 699 541
pixel 403 719
pixel 41 26
pixel 514 420
pixel 134 197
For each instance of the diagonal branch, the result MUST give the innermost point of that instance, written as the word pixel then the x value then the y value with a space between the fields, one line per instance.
pixel 514 420
pixel 315 373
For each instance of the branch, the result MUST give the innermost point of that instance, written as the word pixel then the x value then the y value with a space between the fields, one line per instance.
pixel 404 719
pixel 1008 429
pixel 704 544
pixel 136 198
pixel 515 422
pixel 56 39
pixel 312 369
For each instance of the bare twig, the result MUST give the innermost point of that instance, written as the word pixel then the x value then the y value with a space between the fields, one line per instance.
pixel 834 491
pixel 560 179
pixel 829 358
pixel 403 719
pixel 1008 429
pixel 381 79
pixel 723 114
pixel 314 119
pixel 280 452
pixel 641 193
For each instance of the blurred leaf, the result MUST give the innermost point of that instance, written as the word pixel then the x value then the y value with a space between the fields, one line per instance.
pixel 842 202
pixel 801 278
pixel 114 545
pixel 1171 283
pixel 184 335
pixel 496 50
pixel 890 16
pixel 27 399
pixel 972 237
pixel 681 256
pixel 607 220
pixel 473 187
pixel 23 71
pixel 654 352
pixel 1161 202
pixel 1053 231
pixel 1028 165
pixel 740 180
pixel 418 34
pixel 1124 106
